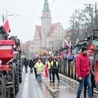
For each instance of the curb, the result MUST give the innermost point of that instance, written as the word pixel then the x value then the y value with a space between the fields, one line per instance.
pixel 73 83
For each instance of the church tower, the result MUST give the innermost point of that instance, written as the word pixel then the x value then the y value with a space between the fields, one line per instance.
pixel 45 22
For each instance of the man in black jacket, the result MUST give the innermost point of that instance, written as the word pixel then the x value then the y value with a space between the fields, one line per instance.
pixel 31 65
pixel 26 65
pixel 55 71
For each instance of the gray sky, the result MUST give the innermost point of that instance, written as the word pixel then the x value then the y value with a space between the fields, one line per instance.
pixel 27 13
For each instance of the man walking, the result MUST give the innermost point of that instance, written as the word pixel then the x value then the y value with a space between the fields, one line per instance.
pixel 55 68
pixel 26 65
pixel 31 65
pixel 83 71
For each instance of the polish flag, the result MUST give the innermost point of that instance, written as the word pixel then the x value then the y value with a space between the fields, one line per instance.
pixel 77 41
pixel 66 43
pixel 70 44
pixel 6 23
pixel 46 71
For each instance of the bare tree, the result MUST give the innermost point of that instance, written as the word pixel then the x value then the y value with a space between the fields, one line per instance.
pixel 82 22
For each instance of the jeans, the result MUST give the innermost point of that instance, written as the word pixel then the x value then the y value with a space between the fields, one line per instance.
pixel 93 85
pixel 81 85
pixel 39 78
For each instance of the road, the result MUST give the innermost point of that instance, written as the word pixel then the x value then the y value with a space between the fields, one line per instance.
pixel 30 88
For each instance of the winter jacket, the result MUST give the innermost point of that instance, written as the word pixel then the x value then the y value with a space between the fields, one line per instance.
pixel 55 65
pixel 26 62
pixel 82 65
pixel 31 64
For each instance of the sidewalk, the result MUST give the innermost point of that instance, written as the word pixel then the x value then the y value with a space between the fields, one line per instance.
pixel 67 87
pixel 59 90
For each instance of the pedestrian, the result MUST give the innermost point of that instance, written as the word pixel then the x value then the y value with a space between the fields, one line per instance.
pixel 50 63
pixel 83 70
pixel 92 76
pixel 26 65
pixel 35 72
pixel 31 65
pixel 39 67
pixel 55 70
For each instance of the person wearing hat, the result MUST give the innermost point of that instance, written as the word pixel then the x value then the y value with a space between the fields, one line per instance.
pixel 83 71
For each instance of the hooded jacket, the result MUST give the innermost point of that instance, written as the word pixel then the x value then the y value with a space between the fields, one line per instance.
pixel 82 65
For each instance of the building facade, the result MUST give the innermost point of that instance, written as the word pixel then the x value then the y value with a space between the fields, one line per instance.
pixel 49 35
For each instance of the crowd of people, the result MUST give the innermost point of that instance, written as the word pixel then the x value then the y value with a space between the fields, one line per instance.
pixel 84 71
pixel 50 68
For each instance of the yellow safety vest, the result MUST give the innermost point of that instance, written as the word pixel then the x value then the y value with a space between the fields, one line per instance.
pixel 57 63
pixel 22 56
pixel 50 64
pixel 39 67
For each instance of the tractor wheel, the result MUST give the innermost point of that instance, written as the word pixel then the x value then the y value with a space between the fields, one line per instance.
pixel 20 77
pixel 2 89
pixel 12 92
pixel 8 93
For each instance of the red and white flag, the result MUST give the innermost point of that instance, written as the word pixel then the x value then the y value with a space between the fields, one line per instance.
pixel 6 23
pixel 77 41
pixel 66 43
pixel 70 44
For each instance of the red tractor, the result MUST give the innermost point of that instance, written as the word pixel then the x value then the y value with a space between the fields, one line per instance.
pixel 10 66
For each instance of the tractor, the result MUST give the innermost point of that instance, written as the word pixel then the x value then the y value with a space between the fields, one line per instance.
pixel 10 66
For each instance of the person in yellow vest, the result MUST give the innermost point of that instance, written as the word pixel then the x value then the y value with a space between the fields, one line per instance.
pixel 50 63
pixel 39 67
pixel 55 70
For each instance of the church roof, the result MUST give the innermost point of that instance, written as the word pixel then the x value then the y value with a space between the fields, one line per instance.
pixel 52 29
pixel 39 28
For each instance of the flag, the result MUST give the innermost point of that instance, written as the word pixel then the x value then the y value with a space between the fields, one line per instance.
pixel 70 49
pixel 46 70
pixel 6 23
pixel 77 41
pixel 70 44
pixel 66 43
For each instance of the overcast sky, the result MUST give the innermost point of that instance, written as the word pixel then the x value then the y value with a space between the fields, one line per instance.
pixel 26 14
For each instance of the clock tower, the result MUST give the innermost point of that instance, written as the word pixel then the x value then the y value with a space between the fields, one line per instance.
pixel 45 22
